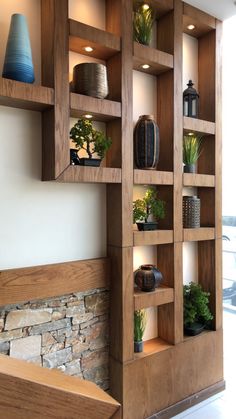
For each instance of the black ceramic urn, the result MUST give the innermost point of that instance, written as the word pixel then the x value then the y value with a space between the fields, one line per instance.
pixel 146 143
pixel 147 277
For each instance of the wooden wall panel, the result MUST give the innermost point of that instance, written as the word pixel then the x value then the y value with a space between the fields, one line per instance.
pixel 25 284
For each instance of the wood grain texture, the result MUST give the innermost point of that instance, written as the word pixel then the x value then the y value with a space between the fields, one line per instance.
pixel 198 234
pixel 201 360
pixel 165 33
pixel 147 238
pixel 113 17
pixel 152 347
pixel 199 126
pixel 105 44
pixel 218 137
pixel 206 165
pixel 101 109
pixel 161 7
pixel 34 283
pixel 153 177
pixel 122 304
pixel 55 73
pixel 206 85
pixel 207 212
pixel 28 391
pixel 162 295
pixel 195 180
pixel 80 174
pixel 159 61
pixel 25 96
pixel 203 22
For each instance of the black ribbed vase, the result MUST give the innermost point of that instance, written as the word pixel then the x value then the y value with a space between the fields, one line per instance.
pixel 146 143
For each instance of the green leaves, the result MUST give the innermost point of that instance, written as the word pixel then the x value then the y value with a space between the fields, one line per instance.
pixel 150 204
pixel 142 25
pixel 87 138
pixel 191 149
pixel 140 322
pixel 196 304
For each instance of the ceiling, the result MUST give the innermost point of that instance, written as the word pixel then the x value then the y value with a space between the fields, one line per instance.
pixel 222 9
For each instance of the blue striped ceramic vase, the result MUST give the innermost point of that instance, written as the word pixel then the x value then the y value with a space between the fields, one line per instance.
pixel 18 64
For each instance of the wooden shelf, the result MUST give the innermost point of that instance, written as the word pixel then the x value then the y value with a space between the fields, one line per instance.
pixel 159 61
pixel 188 338
pixel 153 346
pixel 162 295
pixel 202 21
pixel 101 109
pixel 197 180
pixel 199 126
pixel 105 44
pixel 145 238
pixel 79 174
pixel 161 7
pixel 153 177
pixel 25 96
pixel 198 234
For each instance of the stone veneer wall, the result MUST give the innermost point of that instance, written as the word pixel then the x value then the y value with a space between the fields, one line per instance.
pixel 69 333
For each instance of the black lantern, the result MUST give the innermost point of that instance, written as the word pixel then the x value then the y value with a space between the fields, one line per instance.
pixel 191 98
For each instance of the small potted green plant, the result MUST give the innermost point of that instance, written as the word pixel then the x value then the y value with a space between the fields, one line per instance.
pixel 191 152
pixel 196 309
pixel 85 137
pixel 142 24
pixel 144 208
pixel 140 322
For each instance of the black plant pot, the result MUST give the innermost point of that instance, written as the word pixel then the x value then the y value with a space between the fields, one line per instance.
pixel 74 158
pixel 190 168
pixel 89 162
pixel 194 329
pixel 138 346
pixel 147 226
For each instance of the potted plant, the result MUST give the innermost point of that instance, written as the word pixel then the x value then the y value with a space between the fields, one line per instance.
pixel 142 25
pixel 89 139
pixel 196 309
pixel 191 152
pixel 140 322
pixel 149 205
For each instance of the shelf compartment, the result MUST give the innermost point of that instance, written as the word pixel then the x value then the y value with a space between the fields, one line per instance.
pixel 203 22
pixel 153 177
pixel 195 180
pixel 159 61
pixel 152 347
pixel 79 174
pixel 199 126
pixel 146 238
pixel 105 44
pixel 198 234
pixel 161 7
pixel 161 295
pixel 25 96
pixel 101 109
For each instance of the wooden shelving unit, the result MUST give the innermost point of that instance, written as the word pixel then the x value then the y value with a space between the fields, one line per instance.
pixel 169 359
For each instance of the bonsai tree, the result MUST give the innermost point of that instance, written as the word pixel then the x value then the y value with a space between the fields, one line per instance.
pixel 191 151
pixel 142 25
pixel 140 322
pixel 196 307
pixel 89 139
pixel 150 204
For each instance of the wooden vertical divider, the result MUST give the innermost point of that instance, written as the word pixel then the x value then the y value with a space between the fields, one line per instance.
pixel 55 73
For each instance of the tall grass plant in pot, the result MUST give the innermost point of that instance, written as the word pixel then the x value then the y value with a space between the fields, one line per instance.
pixel 191 152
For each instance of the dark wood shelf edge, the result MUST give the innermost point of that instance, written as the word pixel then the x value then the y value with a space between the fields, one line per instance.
pixel 198 180
pixel 101 109
pixel 199 126
pixel 162 295
pixel 153 177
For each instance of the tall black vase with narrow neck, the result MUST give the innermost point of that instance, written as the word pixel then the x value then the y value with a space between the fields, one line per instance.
pixel 146 143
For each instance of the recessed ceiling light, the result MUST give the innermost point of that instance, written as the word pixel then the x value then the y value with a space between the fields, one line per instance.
pixel 88 116
pixel 191 27
pixel 88 49
pixel 190 134
pixel 146 6
pixel 145 66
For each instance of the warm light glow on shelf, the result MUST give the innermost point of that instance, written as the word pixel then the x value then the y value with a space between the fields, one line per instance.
pixel 190 134
pixel 145 66
pixel 88 49
pixel 191 27
pixel 145 6
pixel 88 116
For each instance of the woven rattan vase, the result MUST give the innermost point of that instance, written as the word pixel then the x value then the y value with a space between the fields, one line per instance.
pixel 90 79
pixel 191 212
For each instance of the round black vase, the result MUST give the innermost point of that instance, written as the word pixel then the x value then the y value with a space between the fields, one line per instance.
pixel 146 143
pixel 147 277
pixel 190 168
